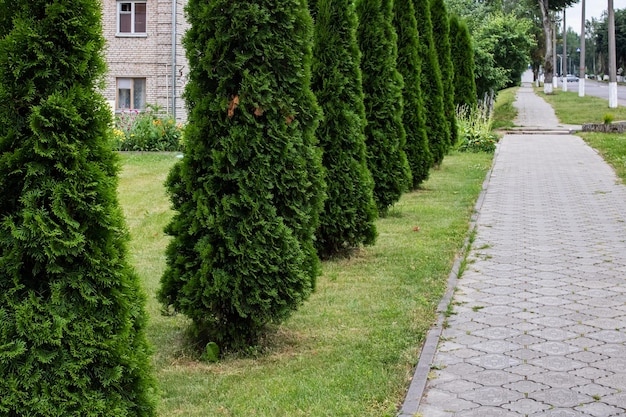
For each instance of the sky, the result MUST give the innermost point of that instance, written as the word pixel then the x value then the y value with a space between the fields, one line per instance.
pixel 593 8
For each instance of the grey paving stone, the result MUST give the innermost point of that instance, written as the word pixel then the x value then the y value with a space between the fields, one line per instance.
pixel 599 409
pixel 526 406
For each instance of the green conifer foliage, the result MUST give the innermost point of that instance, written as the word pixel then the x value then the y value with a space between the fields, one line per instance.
pixel 72 338
pixel 250 188
pixel 437 126
pixel 441 38
pixel 349 214
pixel 414 117
pixel 463 61
pixel 382 86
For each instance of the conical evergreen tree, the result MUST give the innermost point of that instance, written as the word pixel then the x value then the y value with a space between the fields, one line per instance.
pixel 463 61
pixel 437 126
pixel 382 86
pixel 250 188
pixel 71 309
pixel 413 117
pixel 441 38
pixel 349 214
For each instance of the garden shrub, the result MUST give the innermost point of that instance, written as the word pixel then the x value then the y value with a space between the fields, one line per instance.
pixel 72 320
pixel 382 86
pixel 349 214
pixel 413 117
pixel 248 193
pixel 437 126
pixel 149 130
pixel 463 63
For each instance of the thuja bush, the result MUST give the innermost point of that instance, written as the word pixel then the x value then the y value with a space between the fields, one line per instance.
pixel 463 62
pixel 437 125
pixel 413 117
pixel 348 218
pixel 149 130
pixel 72 338
pixel 248 193
pixel 441 38
pixel 382 86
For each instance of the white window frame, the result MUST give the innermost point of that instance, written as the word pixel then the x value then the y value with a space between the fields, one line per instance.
pixel 119 12
pixel 119 109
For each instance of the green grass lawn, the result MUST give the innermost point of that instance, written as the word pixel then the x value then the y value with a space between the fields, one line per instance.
pixel 572 109
pixel 503 111
pixel 351 348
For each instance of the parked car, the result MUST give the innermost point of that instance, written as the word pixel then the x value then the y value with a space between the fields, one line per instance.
pixel 570 78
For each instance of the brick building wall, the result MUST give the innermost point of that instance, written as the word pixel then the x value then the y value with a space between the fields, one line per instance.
pixel 148 54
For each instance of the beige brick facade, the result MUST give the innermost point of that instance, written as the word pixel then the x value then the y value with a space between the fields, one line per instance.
pixel 148 55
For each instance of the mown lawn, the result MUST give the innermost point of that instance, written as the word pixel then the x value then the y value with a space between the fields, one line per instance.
pixel 572 109
pixel 351 348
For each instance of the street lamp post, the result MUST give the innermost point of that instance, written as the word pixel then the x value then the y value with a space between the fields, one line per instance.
pixel 612 59
pixel 581 80
pixel 564 64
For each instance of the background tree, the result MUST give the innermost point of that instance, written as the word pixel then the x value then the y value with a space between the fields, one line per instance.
pixel 349 214
pixel 382 86
pixel 441 38
pixel 507 38
pixel 413 117
pixel 437 126
pixel 545 8
pixel 71 308
pixel 602 40
pixel 248 193
pixel 463 62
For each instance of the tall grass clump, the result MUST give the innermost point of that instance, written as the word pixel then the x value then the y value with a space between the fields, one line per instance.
pixel 475 124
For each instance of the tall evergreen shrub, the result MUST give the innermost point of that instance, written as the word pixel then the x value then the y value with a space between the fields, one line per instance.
pixel 413 117
pixel 349 214
pixel 72 321
pixel 441 38
pixel 382 86
pixel 463 62
pixel 437 126
pixel 248 193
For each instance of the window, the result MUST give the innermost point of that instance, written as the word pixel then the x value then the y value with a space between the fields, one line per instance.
pixel 131 17
pixel 131 93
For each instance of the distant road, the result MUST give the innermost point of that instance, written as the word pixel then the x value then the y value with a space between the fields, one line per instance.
pixel 600 89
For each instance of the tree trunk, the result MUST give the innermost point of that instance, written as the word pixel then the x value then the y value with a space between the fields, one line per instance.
pixel 548 69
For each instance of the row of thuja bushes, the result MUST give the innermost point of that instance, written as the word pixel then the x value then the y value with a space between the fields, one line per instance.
pixel 148 130
pixel 154 130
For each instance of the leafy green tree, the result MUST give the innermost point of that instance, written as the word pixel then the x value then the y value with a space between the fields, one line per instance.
pixel 463 61
pixel 506 38
pixel 248 193
pixel 72 321
pixel 437 126
pixel 382 86
pixel 413 117
pixel 349 214
pixel 441 37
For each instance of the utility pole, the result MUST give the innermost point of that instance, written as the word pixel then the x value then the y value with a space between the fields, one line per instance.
pixel 612 59
pixel 564 61
pixel 581 79
pixel 555 78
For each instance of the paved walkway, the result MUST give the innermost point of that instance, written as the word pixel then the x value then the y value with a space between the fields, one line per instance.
pixel 539 323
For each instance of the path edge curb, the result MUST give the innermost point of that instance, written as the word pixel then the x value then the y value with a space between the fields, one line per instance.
pixel 417 386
